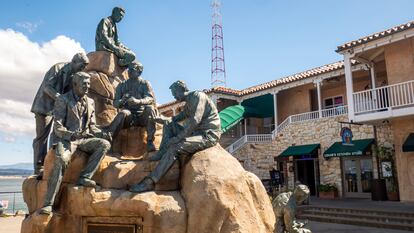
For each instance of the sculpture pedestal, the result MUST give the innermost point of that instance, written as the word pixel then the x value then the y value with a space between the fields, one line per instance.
pixel 216 196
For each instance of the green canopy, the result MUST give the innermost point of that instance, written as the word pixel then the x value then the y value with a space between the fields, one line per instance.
pixel 259 107
pixel 230 116
pixel 358 147
pixel 300 150
pixel 263 106
pixel 408 145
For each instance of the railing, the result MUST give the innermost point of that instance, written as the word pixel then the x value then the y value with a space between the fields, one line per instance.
pixel 259 138
pixel 384 98
pixel 305 116
pixel 336 111
pixel 237 144
pixel 11 202
pixel 266 138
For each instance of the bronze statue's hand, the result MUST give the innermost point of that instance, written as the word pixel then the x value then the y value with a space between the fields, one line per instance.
pixel 87 135
pixel 133 101
pixel 162 119
pixel 172 141
pixel 79 134
pixel 104 135
pixel 121 52
pixel 76 135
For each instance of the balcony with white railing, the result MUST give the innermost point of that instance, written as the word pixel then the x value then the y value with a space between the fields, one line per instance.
pixel 390 101
pixel 268 138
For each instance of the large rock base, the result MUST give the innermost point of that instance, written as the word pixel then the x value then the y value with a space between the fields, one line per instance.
pixel 216 196
pixel 81 208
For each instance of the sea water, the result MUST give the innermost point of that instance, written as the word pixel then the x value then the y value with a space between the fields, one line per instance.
pixel 10 190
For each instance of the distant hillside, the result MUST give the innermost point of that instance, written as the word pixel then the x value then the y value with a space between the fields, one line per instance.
pixel 15 172
pixel 18 169
pixel 23 166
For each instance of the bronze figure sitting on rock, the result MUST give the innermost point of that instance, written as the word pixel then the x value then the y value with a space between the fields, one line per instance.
pixel 75 128
pixel 201 130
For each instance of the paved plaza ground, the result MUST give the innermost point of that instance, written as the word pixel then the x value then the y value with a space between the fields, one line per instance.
pixel 368 204
pixel 319 227
pixel 12 225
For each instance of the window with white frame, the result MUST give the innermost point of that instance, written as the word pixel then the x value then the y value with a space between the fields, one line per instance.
pixel 332 102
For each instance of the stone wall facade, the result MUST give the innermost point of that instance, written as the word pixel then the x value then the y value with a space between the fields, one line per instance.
pixel 260 158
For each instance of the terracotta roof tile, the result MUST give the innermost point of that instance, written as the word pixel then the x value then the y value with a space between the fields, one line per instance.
pixel 376 36
pixel 282 81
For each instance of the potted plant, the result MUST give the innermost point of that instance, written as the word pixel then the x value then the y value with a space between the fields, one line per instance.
pixel 392 193
pixel 328 191
pixel 385 155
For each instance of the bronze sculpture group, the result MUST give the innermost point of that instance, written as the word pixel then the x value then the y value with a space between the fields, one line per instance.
pixel 62 106
pixel 62 101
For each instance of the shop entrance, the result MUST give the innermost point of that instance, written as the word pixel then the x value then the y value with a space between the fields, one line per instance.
pixel 306 172
pixel 357 177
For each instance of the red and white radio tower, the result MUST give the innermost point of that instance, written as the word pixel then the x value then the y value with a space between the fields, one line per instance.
pixel 218 69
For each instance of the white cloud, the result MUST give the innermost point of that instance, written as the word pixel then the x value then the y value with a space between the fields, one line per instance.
pixel 23 64
pixel 9 139
pixel 29 26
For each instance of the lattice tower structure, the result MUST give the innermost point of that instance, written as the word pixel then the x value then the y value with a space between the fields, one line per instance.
pixel 218 68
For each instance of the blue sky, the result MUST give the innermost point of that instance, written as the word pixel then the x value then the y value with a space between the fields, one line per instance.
pixel 263 39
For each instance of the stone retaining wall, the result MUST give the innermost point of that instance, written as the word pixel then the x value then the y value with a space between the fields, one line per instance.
pixel 259 158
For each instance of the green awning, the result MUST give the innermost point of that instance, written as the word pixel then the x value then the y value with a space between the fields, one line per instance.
pixel 408 145
pixel 230 116
pixel 300 150
pixel 358 147
pixel 263 106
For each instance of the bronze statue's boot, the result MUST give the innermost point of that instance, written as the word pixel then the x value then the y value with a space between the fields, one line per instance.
pixel 86 182
pixel 144 186
pixel 156 157
pixel 150 146
pixel 46 210
pixel 40 174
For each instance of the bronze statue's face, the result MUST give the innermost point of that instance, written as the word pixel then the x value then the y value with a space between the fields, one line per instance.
pixel 76 67
pixel 81 86
pixel 133 73
pixel 117 16
pixel 178 93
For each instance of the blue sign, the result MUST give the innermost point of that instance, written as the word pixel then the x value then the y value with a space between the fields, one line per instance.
pixel 346 135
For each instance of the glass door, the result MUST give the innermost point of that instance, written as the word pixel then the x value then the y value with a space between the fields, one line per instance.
pixel 351 178
pixel 357 176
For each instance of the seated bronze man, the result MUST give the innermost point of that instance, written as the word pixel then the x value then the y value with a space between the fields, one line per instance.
pixel 135 100
pixel 106 38
pixel 75 128
pixel 201 130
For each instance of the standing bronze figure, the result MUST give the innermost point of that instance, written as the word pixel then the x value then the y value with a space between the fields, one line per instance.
pixel 284 206
pixel 75 128
pixel 201 130
pixel 106 38
pixel 136 102
pixel 56 81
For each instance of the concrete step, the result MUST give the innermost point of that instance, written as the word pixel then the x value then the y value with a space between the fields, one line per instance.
pixel 359 217
pixel 366 211
pixel 358 222
pixel 368 217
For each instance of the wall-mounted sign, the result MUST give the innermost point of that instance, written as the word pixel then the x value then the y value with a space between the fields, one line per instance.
pixel 386 167
pixel 346 135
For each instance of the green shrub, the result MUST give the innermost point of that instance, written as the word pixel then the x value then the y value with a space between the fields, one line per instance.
pixel 327 187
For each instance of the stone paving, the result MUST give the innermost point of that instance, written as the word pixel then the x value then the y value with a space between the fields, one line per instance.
pixel 357 203
pixel 319 227
pixel 10 224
